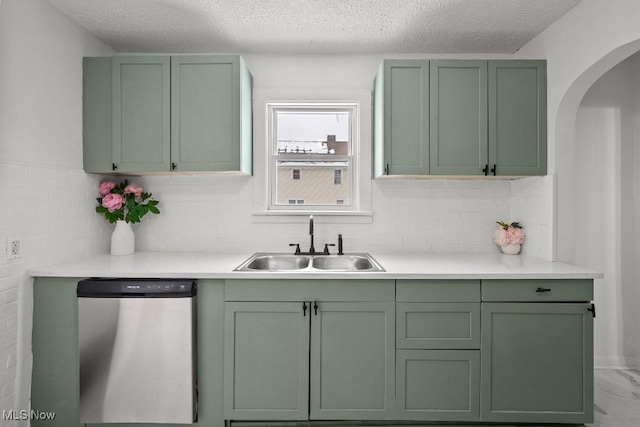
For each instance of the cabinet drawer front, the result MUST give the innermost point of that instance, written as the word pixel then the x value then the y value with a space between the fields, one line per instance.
pixel 537 290
pixel 309 290
pixel 438 325
pixel 439 385
pixel 438 291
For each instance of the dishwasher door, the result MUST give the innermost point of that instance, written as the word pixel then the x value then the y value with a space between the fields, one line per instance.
pixel 137 351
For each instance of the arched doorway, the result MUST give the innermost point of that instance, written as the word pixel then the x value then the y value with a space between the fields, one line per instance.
pixel 598 195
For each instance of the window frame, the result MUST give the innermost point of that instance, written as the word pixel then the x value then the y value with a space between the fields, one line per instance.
pixel 352 159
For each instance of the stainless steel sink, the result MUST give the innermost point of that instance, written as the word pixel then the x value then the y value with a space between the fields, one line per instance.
pixel 277 262
pixel 359 262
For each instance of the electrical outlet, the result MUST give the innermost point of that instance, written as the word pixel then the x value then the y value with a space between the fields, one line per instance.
pixel 14 248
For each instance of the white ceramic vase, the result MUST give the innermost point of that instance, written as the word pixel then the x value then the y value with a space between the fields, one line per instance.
pixel 511 248
pixel 123 241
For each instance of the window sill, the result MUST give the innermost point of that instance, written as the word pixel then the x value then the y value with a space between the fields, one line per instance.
pixel 323 217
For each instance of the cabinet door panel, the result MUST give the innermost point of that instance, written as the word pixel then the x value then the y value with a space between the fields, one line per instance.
pixel 537 363
pixel 266 361
pixel 442 385
pixel 352 361
pixel 205 119
pixel 407 117
pixel 517 117
pixel 438 325
pixel 458 125
pixel 141 113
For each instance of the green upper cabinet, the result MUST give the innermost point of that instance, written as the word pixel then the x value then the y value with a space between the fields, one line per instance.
pixel 401 108
pixel 180 113
pixel 518 117
pixel 460 117
pixel 141 113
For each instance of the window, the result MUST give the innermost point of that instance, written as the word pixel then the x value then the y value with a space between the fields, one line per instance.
pixel 317 140
pixel 337 177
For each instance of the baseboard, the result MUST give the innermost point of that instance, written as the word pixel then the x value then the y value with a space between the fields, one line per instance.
pixel 613 362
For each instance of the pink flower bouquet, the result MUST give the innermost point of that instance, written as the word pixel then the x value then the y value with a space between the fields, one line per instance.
pixel 508 234
pixel 124 202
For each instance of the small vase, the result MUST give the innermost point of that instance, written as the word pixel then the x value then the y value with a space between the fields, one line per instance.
pixel 123 241
pixel 511 248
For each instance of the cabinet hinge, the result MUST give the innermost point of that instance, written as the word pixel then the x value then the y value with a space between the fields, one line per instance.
pixel 592 309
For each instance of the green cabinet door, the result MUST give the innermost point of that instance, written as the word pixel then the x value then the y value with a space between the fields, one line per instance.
pixel 353 361
pixel 266 361
pixel 206 113
pixel 517 117
pixel 438 385
pixel 458 112
pixel 401 143
pixel 141 113
pixel 537 363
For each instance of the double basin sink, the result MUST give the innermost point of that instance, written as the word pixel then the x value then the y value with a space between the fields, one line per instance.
pixel 289 262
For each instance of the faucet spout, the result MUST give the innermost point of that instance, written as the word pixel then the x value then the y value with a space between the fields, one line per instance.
pixel 312 249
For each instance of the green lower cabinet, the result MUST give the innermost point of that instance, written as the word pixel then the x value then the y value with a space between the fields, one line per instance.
pixel 275 370
pixel 438 385
pixel 537 363
pixel 266 361
pixel 352 361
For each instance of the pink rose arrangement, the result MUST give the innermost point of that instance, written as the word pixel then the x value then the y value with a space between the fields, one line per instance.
pixel 508 234
pixel 124 202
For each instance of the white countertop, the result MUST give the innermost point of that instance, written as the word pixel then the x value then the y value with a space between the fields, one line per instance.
pixel 220 265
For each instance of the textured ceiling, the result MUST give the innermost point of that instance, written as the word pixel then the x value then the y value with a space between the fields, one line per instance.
pixel 316 26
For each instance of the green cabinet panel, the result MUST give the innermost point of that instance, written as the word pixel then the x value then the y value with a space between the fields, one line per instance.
pixel 458 115
pixel 55 377
pixel 141 113
pixel 438 325
pixel 96 115
pixel 352 361
pixel 438 385
pixel 161 114
pixel 438 290
pixel 517 117
pixel 537 363
pixel 206 114
pixel 266 361
pixel 402 104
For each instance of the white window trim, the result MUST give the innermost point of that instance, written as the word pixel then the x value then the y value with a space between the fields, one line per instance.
pixel 353 158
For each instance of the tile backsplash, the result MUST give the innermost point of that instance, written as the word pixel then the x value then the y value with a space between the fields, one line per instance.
pixel 422 215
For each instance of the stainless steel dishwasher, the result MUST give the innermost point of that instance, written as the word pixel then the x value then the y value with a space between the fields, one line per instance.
pixel 137 353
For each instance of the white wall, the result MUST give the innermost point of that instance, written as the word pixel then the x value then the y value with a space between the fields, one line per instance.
pixel 47 200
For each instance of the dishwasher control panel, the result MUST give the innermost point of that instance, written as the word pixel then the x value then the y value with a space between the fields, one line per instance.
pixel 132 288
